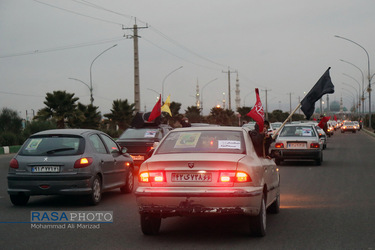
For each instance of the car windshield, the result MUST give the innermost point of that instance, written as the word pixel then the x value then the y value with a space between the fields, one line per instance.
pixel 53 145
pixel 275 125
pixel 297 131
pixel 140 133
pixel 203 142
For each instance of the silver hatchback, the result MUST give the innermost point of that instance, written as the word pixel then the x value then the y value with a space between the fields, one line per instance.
pixel 69 161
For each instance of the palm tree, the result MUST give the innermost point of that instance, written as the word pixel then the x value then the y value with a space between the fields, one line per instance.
pixel 60 106
pixel 87 116
pixel 122 114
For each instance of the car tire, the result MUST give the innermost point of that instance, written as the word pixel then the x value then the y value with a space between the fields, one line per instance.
pixel 19 199
pixel 150 224
pixel 96 195
pixel 319 160
pixel 258 222
pixel 274 208
pixel 129 185
pixel 278 161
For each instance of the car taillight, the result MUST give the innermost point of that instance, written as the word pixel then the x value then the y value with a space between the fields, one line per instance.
pixel 234 177
pixel 149 149
pixel 314 145
pixel 147 177
pixel 13 163
pixel 279 145
pixel 83 162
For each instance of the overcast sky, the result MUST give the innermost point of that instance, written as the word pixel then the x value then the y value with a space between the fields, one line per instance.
pixel 280 46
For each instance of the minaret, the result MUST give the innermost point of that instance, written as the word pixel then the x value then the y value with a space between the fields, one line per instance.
pixel 238 98
pixel 197 102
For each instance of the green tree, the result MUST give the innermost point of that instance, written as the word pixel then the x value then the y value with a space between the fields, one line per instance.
pixel 10 121
pixel 121 114
pixel 60 107
pixel 243 111
pixel 222 117
pixel 193 113
pixel 36 126
pixel 87 116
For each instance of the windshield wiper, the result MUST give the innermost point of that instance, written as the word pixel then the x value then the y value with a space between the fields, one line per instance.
pixel 59 150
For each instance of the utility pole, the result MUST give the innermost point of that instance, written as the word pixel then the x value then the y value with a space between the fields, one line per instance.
pixel 266 90
pixel 290 104
pixel 238 98
pixel 229 99
pixel 137 97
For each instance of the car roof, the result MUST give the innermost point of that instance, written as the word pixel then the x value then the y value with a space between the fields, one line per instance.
pixel 216 128
pixel 66 132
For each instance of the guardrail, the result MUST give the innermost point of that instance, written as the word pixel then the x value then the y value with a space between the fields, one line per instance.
pixel 9 149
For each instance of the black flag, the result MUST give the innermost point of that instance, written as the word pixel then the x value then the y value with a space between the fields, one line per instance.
pixel 322 87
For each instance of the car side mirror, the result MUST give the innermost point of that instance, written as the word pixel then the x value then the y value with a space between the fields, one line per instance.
pixel 124 150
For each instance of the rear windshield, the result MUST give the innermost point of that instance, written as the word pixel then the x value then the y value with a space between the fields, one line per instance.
pixel 297 131
pixel 53 145
pixel 203 142
pixel 140 133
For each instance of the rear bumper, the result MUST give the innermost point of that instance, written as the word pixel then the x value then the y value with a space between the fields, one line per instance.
pixel 189 201
pixel 49 185
pixel 299 154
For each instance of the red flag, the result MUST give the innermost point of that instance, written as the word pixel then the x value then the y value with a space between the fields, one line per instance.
pixel 323 121
pixel 314 119
pixel 334 117
pixel 156 111
pixel 257 112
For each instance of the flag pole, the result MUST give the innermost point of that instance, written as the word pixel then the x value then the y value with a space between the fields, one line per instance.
pixel 286 120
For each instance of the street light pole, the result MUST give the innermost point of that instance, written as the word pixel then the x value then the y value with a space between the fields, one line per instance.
pixel 162 86
pixel 90 88
pixel 363 84
pixel 355 91
pixel 368 75
pixel 202 92
pixel 359 91
pixel 91 97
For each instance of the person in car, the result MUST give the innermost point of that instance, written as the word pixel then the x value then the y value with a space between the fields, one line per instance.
pixel 262 140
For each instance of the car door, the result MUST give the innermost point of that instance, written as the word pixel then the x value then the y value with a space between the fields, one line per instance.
pixel 119 168
pixel 105 160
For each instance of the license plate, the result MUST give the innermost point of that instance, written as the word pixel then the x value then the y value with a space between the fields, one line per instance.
pixel 45 169
pixel 297 145
pixel 138 157
pixel 191 177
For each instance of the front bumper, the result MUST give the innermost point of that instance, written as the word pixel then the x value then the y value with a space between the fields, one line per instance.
pixel 74 184
pixel 167 202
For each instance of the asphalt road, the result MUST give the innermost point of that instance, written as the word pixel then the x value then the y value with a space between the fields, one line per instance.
pixel 327 207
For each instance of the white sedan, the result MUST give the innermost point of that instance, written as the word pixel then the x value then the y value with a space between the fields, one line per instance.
pixel 207 171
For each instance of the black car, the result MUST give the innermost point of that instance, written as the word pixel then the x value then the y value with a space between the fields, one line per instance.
pixel 139 141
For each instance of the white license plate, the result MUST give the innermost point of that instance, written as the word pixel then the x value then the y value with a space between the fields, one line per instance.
pixel 297 145
pixel 191 177
pixel 138 157
pixel 45 169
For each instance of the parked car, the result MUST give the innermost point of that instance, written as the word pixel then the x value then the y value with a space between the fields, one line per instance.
pixel 348 126
pixel 69 162
pixel 139 141
pixel 207 171
pixel 298 142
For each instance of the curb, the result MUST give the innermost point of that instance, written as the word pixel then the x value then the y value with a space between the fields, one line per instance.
pixel 9 149
pixel 368 132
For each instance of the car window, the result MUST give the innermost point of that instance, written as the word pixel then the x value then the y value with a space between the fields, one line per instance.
pixel 203 142
pixel 53 145
pixel 141 133
pixel 97 144
pixel 298 131
pixel 111 145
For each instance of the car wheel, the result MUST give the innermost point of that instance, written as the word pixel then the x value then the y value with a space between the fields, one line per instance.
pixel 274 208
pixel 319 160
pixel 19 199
pixel 324 146
pixel 258 222
pixel 277 161
pixel 129 185
pixel 96 195
pixel 150 224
